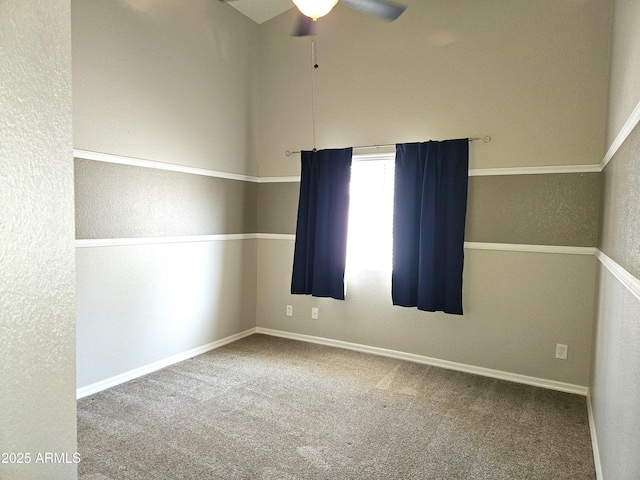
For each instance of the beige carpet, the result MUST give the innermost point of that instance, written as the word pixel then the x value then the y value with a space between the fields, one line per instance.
pixel 270 408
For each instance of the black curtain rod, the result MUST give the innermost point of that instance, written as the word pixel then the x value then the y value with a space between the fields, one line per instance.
pixel 485 139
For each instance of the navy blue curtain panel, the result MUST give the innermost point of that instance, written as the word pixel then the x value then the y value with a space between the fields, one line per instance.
pixel 321 232
pixel 430 205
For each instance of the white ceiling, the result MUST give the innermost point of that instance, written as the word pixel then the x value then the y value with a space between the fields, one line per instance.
pixel 261 10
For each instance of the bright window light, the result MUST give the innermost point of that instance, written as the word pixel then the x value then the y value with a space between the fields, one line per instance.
pixel 369 244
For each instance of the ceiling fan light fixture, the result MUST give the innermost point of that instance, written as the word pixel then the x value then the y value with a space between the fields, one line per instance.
pixel 315 8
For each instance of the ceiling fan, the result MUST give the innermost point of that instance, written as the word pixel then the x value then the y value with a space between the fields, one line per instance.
pixel 311 10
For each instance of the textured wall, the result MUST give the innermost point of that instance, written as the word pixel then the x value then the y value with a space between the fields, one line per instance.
pixel 278 207
pixel 620 228
pixel 558 209
pixel 550 209
pixel 37 336
pixel 615 380
pixel 121 201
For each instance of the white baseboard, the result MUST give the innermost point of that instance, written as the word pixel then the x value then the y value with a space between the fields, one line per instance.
pixel 411 357
pixel 461 367
pixel 594 439
pixel 486 372
pixel 152 367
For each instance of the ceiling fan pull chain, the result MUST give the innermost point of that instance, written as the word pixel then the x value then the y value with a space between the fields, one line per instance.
pixel 314 52
pixel 313 89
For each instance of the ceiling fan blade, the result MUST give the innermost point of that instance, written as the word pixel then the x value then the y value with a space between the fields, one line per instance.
pixel 384 9
pixel 303 27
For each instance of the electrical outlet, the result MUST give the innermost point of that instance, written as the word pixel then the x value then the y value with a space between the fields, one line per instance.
pixel 561 351
pixel 289 310
pixel 314 313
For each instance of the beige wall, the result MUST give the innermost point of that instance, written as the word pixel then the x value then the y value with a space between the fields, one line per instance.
pixel 624 94
pixel 615 379
pixel 37 325
pixel 517 307
pixel 171 82
pixel 533 75
pixel 141 304
pixel 166 81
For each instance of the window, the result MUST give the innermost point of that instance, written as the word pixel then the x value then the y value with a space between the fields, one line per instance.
pixel 369 245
